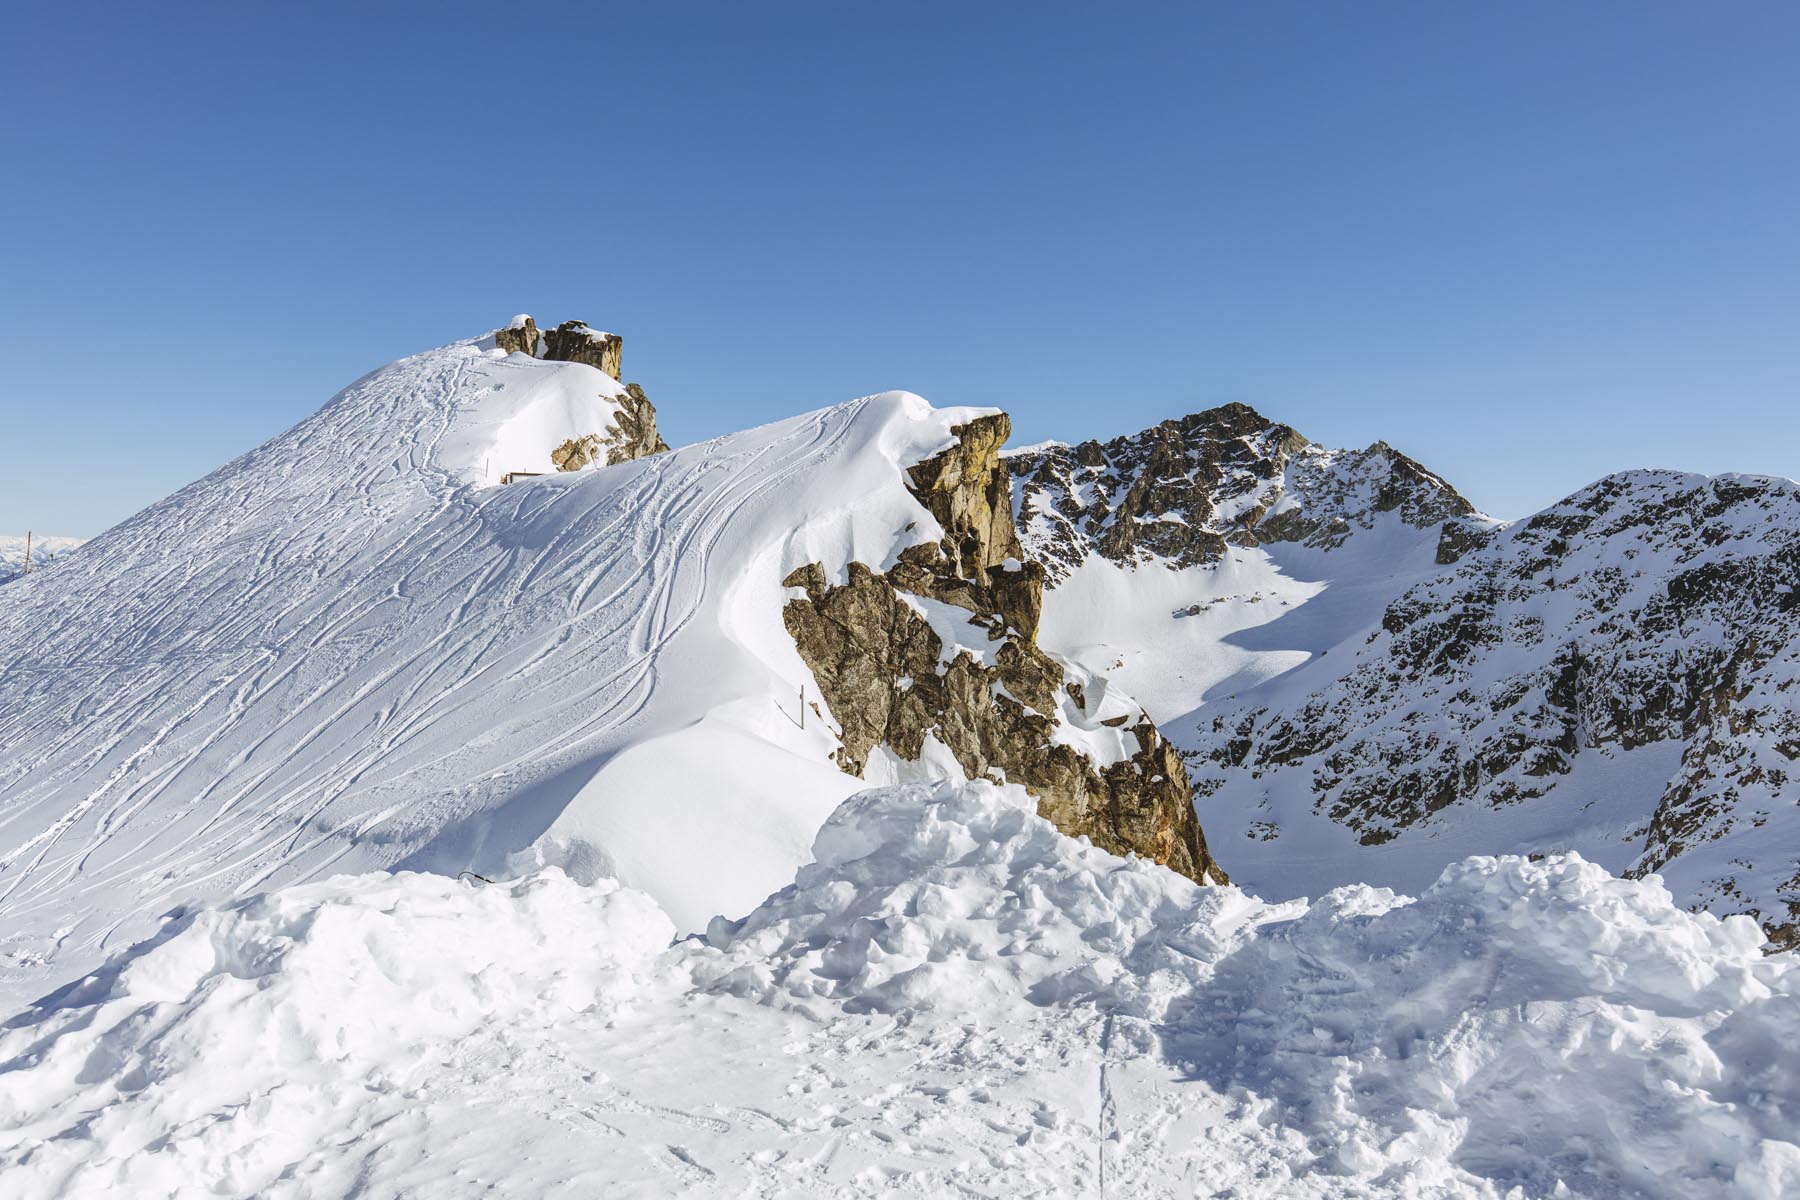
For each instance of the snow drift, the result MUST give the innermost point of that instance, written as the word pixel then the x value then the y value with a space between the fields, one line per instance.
pixel 353 649
pixel 1521 1028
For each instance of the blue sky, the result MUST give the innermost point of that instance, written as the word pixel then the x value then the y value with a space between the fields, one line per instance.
pixel 1528 244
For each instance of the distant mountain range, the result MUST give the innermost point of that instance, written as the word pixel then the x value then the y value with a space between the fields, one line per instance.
pixel 44 550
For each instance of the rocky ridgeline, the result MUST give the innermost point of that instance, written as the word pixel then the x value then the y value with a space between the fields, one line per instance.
pixel 1184 491
pixel 1651 607
pixel 633 433
pixel 880 665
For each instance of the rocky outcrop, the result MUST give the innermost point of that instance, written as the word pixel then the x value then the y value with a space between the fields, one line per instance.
pixel 632 433
pixel 573 341
pixel 1182 492
pixel 520 337
pixel 1003 707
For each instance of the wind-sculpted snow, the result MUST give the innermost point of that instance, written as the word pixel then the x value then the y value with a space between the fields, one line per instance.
pixel 351 649
pixel 952 999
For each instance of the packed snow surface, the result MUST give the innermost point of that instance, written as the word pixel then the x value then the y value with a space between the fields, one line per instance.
pixel 952 998
pixel 352 649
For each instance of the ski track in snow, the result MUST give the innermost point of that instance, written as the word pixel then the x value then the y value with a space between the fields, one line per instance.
pixel 317 657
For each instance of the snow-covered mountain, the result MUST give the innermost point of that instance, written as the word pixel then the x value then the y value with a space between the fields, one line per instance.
pixel 1202 556
pixel 432 627
pixel 1371 679
pixel 44 550
pixel 1614 675
pixel 388 763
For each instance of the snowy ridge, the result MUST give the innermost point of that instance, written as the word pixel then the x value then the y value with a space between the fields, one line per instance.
pixel 952 998
pixel 350 649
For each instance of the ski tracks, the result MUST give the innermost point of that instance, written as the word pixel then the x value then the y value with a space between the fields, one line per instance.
pixel 360 652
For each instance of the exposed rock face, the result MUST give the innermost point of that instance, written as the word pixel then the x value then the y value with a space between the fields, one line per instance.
pixel 521 337
pixel 1652 608
pixel 632 433
pixel 1184 491
pixel 1009 710
pixel 573 341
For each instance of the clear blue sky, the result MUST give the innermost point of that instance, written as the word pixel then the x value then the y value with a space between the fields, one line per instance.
pixel 1528 244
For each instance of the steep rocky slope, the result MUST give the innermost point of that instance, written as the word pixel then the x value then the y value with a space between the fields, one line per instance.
pixel 936 663
pixel 1181 493
pixel 1627 653
pixel 1206 555
pixel 1371 678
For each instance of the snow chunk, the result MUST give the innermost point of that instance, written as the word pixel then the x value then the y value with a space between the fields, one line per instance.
pixel 1535 1024
pixel 239 1030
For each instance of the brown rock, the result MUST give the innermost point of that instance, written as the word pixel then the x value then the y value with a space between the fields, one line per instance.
pixel 878 664
pixel 573 341
pixel 522 339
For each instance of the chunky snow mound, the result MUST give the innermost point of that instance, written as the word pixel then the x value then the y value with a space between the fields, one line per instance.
pixel 951 896
pixel 1528 1025
pixel 225 1047
pixel 952 998
pixel 351 649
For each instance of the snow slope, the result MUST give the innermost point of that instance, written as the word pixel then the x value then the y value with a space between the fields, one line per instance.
pixel 953 999
pixel 350 649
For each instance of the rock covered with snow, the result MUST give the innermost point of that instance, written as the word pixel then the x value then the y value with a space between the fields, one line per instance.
pixel 1624 653
pixel 1182 492
pixel 571 432
pixel 934 664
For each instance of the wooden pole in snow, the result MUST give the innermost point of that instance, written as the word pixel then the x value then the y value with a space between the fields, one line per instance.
pixel 26 570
